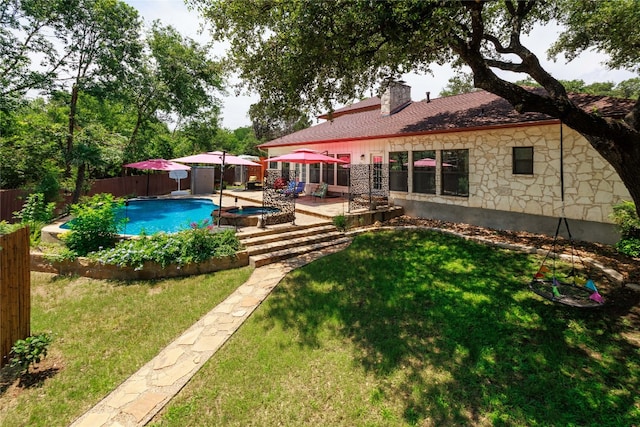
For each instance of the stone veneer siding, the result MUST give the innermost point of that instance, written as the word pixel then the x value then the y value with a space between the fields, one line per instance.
pixel 591 186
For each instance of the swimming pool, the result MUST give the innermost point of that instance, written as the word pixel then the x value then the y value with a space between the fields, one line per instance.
pixel 168 215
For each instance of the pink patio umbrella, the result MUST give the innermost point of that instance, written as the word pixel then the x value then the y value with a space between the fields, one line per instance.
pixel 306 156
pixel 215 158
pixel 157 165
pixel 230 159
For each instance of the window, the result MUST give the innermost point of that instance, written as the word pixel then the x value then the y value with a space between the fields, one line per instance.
pixel 399 171
pixel 343 170
pixel 314 173
pixel 455 173
pixel 523 160
pixel 286 167
pixel 329 172
pixel 424 171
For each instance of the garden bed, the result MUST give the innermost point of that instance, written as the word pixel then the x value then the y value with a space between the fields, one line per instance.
pixel 93 269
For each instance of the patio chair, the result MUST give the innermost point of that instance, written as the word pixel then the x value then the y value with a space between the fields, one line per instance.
pixel 288 189
pixel 299 188
pixel 321 191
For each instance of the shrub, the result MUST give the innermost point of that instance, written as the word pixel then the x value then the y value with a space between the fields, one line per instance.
pixel 629 246
pixel 626 219
pixel 184 247
pixel 6 228
pixel 35 210
pixel 340 221
pixel 35 213
pixel 29 351
pixel 94 225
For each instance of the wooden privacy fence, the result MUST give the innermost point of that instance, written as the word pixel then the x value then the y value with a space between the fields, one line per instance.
pixel 15 290
pixel 154 184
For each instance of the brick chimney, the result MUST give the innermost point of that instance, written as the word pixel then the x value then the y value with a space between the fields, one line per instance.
pixel 396 96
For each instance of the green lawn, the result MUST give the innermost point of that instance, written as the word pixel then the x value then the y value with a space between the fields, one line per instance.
pixel 417 328
pixel 103 332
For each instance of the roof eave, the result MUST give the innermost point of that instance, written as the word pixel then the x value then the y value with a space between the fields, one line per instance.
pixel 428 132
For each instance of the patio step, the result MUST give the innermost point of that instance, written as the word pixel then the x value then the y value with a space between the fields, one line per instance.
pixel 292 232
pixel 287 243
pixel 271 257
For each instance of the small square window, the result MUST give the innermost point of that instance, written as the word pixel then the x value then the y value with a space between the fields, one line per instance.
pixel 523 160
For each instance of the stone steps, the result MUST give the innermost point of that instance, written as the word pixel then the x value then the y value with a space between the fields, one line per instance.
pixel 279 244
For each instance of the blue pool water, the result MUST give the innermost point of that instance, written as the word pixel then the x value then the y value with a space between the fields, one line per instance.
pixel 168 215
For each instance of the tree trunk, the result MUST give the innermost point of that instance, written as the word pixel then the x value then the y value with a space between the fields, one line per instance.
pixel 77 192
pixel 72 125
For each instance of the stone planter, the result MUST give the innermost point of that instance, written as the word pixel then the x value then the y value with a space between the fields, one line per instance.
pixel 88 268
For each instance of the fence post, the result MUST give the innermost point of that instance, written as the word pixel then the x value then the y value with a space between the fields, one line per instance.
pixel 15 290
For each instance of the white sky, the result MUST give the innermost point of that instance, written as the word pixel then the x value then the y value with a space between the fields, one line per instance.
pixel 235 109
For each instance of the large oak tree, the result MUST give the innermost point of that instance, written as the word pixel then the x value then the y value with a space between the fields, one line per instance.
pixel 313 54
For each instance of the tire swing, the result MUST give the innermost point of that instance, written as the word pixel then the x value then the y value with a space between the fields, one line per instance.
pixel 572 289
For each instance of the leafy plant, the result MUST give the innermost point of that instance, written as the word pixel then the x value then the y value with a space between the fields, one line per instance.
pixel 625 216
pixel 30 351
pixel 340 221
pixel 94 225
pixel 626 219
pixel 35 209
pixel 6 228
pixel 629 246
pixel 194 245
pixel 36 213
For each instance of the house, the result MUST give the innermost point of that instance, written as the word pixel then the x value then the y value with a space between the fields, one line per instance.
pixel 470 158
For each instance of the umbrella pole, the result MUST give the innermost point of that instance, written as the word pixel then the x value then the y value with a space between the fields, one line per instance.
pixel 221 182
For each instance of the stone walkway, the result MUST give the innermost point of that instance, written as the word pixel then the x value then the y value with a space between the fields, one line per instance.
pixel 137 400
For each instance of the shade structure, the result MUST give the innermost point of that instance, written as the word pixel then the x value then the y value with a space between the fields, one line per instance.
pixel 215 158
pixel 204 158
pixel 230 159
pixel 157 165
pixel 306 156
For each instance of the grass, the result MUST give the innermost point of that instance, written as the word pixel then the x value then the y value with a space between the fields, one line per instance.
pixel 103 332
pixel 417 328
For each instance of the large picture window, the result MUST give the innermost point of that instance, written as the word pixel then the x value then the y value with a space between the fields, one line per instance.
pixel 424 171
pixel 455 173
pixel 523 160
pixel 399 171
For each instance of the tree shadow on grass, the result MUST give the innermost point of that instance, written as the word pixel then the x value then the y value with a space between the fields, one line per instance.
pixel 454 321
pixel 35 378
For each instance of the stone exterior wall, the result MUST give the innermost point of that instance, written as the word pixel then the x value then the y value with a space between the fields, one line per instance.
pixel 591 186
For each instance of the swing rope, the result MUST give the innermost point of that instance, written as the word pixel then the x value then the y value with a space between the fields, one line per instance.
pixel 577 293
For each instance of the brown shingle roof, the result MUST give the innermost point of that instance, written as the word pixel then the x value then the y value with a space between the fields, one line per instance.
pixel 466 111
